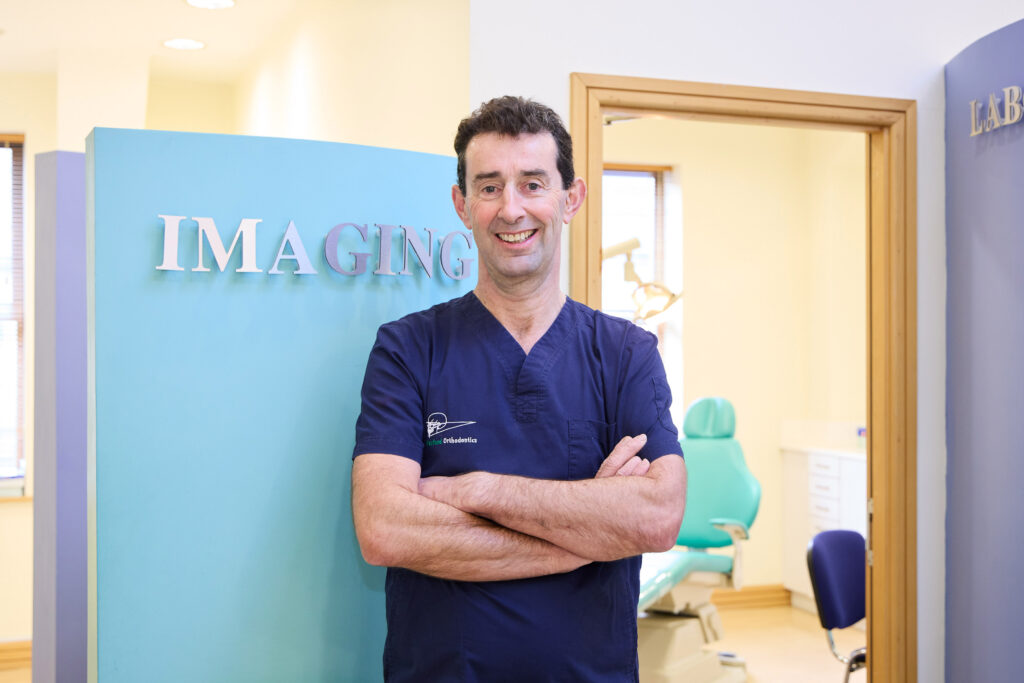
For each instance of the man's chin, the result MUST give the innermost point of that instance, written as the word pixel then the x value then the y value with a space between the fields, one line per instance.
pixel 519 275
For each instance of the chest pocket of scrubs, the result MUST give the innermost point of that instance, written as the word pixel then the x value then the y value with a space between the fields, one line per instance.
pixel 589 444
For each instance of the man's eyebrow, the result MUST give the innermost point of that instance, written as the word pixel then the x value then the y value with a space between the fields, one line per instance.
pixel 531 173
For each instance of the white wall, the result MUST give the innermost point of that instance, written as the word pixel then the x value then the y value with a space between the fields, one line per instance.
pixel 875 47
pixel 767 218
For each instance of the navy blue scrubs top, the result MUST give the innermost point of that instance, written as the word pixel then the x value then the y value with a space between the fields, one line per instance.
pixel 450 388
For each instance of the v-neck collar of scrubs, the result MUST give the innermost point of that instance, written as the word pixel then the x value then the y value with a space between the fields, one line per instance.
pixel 524 372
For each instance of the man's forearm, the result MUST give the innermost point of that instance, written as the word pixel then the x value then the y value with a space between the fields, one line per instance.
pixel 600 519
pixel 398 527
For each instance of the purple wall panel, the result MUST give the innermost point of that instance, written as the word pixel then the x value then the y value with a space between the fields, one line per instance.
pixel 60 570
pixel 985 362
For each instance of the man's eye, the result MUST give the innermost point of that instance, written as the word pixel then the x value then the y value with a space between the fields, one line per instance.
pixel 533 187
pixel 488 189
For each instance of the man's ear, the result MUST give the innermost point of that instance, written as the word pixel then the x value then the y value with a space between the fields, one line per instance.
pixel 459 200
pixel 574 197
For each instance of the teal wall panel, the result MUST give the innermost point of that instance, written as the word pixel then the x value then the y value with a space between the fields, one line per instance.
pixel 226 402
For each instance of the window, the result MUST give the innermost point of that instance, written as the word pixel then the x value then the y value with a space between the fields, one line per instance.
pixel 630 209
pixel 641 260
pixel 633 231
pixel 12 324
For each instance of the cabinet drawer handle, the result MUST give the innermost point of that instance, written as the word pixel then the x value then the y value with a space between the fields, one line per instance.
pixel 822 488
pixel 821 507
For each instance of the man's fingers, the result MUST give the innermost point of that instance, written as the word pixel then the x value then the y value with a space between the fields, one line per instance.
pixel 626 449
pixel 430 487
pixel 629 467
pixel 634 467
pixel 619 455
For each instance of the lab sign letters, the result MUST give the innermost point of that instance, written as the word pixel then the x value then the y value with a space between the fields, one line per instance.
pixel 985 119
pixel 293 249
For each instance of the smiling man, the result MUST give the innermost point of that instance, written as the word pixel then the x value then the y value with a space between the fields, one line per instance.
pixel 515 453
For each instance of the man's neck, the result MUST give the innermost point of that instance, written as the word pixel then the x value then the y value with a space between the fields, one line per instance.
pixel 525 315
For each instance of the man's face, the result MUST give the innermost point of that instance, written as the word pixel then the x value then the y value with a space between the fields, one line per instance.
pixel 515 205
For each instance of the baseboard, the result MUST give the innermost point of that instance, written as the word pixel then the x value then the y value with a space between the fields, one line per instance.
pixel 771 595
pixel 804 602
pixel 15 655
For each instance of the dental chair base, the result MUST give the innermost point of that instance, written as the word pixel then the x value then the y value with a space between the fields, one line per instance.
pixel 671 650
pixel 693 599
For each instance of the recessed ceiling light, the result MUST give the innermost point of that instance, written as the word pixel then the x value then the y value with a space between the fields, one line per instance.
pixel 184 44
pixel 211 4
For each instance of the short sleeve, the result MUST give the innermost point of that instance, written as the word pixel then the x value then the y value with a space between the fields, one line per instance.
pixel 645 399
pixel 391 414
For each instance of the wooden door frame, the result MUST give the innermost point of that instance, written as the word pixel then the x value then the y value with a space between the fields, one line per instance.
pixel 891 127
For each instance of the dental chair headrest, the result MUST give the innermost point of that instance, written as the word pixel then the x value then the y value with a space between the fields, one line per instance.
pixel 710 418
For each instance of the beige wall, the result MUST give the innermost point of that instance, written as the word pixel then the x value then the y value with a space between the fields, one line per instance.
pixel 192 106
pixel 98 88
pixel 836 214
pixel 389 73
pixel 16 564
pixel 28 105
pixel 773 273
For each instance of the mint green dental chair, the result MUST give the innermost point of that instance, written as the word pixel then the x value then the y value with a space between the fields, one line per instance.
pixel 722 498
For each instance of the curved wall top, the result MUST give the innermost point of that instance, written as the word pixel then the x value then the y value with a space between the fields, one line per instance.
pixel 985 356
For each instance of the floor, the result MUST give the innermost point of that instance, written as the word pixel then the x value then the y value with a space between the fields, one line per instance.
pixel 16 676
pixel 778 644
pixel 787 644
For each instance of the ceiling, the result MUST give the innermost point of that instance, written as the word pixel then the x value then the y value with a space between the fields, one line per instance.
pixel 34 32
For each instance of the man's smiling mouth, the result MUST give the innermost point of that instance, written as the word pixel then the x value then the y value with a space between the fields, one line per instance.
pixel 516 237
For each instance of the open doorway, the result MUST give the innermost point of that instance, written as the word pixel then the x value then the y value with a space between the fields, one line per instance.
pixel 758 235
pixel 890 316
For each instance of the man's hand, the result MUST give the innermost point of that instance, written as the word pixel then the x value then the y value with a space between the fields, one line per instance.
pixel 397 527
pixel 616 514
pixel 623 460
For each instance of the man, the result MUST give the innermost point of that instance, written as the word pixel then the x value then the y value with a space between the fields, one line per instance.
pixel 484 471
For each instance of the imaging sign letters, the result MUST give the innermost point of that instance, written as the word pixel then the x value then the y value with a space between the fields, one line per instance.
pixel 995 116
pixel 354 262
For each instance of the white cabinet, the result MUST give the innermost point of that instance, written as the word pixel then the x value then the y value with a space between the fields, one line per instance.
pixel 822 490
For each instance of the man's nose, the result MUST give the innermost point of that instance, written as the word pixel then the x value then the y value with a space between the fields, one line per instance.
pixel 511 206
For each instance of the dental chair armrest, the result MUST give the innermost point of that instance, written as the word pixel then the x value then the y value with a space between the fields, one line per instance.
pixel 736 529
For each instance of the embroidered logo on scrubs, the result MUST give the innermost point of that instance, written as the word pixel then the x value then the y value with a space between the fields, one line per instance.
pixel 439 422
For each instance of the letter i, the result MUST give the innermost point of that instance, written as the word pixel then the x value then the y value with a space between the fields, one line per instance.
pixel 170 242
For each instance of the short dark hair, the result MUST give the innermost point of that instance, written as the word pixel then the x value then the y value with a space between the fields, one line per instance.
pixel 514 116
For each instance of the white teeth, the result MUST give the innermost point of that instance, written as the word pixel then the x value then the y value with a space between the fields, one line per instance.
pixel 515 237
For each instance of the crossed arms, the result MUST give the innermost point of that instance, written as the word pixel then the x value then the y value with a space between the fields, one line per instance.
pixel 487 527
